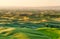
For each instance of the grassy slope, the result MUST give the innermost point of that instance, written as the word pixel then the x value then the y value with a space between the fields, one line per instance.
pixel 26 33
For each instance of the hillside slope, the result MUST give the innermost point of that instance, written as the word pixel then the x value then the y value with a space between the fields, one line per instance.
pixel 26 33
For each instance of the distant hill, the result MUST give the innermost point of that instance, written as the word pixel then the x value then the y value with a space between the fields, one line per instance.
pixel 33 8
pixel 46 8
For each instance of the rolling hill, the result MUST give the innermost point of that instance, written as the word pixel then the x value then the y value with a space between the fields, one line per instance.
pixel 27 33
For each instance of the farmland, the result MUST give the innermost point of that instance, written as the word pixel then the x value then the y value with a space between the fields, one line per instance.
pixel 29 24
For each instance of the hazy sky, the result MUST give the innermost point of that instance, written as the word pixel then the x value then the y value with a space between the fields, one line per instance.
pixel 28 3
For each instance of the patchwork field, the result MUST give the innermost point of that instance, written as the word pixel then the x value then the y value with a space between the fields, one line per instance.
pixel 29 24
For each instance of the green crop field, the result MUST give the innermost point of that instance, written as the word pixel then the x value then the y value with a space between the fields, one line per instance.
pixel 27 33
